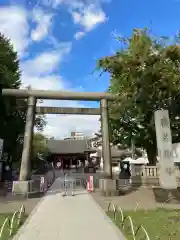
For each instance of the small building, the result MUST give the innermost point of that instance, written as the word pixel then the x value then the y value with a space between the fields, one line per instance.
pixel 117 152
pixel 76 136
pixel 69 151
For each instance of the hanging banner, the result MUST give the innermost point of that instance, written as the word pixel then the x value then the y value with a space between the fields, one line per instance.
pixel 43 184
pixel 90 184
pixel 167 173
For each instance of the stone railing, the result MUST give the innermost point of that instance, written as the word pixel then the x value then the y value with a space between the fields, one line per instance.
pixel 11 225
pixel 149 174
pixel 150 171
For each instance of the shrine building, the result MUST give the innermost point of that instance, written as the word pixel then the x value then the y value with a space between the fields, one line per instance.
pixel 69 151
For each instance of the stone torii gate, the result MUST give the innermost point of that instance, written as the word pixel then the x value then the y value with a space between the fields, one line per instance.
pixel 107 184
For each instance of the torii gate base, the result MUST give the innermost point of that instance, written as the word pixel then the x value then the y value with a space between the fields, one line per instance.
pixel 108 187
pixel 25 185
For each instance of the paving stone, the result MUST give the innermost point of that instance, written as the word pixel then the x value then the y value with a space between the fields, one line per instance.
pixel 78 218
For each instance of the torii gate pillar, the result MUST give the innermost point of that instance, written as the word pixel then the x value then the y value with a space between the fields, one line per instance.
pixel 107 184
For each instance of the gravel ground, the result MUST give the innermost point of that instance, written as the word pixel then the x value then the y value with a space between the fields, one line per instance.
pixel 142 198
pixel 10 204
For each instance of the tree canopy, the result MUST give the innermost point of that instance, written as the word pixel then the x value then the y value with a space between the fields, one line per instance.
pixel 145 75
pixel 12 111
pixel 40 151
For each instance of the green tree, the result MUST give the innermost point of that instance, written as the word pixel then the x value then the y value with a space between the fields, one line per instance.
pixel 40 149
pixel 145 76
pixel 12 111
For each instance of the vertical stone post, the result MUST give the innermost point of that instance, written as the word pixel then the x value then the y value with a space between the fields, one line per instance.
pixel 167 173
pixel 25 170
pixel 106 152
pixel 107 184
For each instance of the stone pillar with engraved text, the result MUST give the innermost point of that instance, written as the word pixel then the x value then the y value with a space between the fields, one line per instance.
pixel 167 173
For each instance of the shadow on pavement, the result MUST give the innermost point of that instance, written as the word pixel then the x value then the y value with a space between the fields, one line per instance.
pixel 167 195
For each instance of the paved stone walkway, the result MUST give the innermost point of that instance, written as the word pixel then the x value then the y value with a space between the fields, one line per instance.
pixel 67 218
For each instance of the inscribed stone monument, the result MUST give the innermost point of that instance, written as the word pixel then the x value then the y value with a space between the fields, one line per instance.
pixel 167 173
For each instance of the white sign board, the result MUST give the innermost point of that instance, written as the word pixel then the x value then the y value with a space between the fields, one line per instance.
pixel 167 174
pixel 42 184
pixel 1 147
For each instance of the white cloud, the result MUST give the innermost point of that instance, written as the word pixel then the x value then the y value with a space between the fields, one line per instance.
pixel 69 3
pixel 79 35
pixel 43 64
pixel 14 24
pixel 39 71
pixel 87 14
pixel 58 126
pixel 76 17
pixel 43 24
pixel 42 71
pixel 89 17
pixel 46 62
pixel 51 82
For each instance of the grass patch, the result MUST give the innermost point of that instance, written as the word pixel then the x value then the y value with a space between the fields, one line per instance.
pixel 161 224
pixel 5 235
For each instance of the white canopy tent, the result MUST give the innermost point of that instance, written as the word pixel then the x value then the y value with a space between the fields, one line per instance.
pixel 141 160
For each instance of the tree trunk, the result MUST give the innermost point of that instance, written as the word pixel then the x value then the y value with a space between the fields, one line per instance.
pixel 152 153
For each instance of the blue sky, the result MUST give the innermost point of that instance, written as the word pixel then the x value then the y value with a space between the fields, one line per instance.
pixel 59 42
